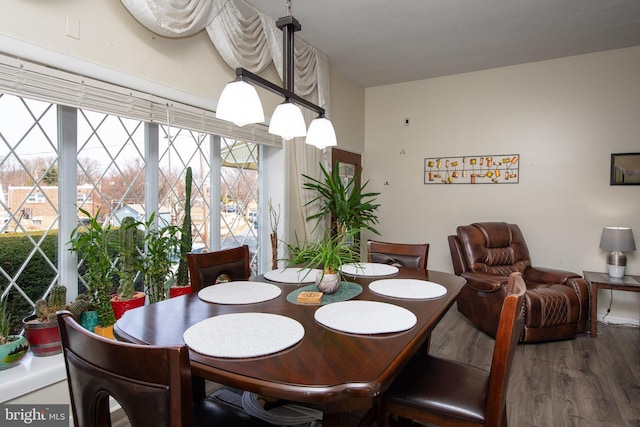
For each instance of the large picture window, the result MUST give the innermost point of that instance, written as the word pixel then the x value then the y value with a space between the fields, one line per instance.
pixel 112 155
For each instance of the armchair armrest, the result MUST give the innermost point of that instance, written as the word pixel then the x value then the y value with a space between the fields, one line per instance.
pixel 484 282
pixel 548 275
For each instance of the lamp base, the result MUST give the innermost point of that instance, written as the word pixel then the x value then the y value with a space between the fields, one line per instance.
pixel 616 271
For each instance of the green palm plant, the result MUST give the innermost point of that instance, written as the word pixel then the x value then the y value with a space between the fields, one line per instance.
pixel 160 246
pixel 348 205
pixel 96 245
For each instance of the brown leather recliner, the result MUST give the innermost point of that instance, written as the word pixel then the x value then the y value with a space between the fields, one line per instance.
pixel 556 302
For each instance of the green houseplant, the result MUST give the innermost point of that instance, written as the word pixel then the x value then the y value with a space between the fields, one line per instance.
pixel 12 347
pixel 128 260
pixel 96 245
pixel 160 246
pixel 348 205
pixel 328 254
pixel 182 285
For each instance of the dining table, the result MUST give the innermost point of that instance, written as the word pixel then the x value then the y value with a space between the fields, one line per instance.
pixel 334 370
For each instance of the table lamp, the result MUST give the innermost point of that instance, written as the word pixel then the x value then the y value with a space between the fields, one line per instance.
pixel 617 240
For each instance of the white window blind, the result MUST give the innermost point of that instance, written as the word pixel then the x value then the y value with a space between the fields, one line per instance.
pixel 26 79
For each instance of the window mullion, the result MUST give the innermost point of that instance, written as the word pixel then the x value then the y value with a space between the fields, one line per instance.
pixel 67 185
pixel 151 149
pixel 214 185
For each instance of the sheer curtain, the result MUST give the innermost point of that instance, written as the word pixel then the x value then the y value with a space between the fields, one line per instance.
pixel 246 37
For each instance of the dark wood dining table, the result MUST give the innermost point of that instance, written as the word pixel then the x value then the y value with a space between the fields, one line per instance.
pixel 328 370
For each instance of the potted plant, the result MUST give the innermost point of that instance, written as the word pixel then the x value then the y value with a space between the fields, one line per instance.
pixel 328 254
pixel 160 246
pixel 96 245
pixel 348 206
pixel 41 328
pixel 128 260
pixel 12 347
pixel 182 285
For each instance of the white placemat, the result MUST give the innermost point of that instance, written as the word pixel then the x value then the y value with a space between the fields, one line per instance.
pixel 292 275
pixel 240 292
pixel 240 335
pixel 408 288
pixel 369 269
pixel 365 317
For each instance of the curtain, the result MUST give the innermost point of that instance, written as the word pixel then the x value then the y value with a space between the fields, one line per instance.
pixel 247 38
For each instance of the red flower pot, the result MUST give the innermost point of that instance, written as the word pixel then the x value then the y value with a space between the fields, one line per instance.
pixel 176 291
pixel 120 306
pixel 43 338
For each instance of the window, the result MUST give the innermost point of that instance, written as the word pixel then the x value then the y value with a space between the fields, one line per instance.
pixel 114 156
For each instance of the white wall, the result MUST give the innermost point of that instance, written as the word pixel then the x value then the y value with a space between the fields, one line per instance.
pixel 563 117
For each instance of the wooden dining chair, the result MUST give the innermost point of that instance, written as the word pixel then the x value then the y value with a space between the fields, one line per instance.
pixel 152 384
pixel 449 393
pixel 398 254
pixel 209 268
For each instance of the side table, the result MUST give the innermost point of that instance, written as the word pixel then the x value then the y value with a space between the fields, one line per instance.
pixel 604 281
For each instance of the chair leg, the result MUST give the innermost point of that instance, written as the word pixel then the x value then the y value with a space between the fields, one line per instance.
pixel 198 388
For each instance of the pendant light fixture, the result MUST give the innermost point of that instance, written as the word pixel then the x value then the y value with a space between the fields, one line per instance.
pixel 239 102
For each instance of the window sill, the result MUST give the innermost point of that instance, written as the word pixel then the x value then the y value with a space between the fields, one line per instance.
pixel 33 373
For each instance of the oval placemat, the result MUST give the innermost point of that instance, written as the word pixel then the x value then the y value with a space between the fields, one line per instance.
pixel 369 269
pixel 240 335
pixel 346 291
pixel 240 292
pixel 365 317
pixel 408 288
pixel 292 275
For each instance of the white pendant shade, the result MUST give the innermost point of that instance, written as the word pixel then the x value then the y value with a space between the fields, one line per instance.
pixel 287 121
pixel 321 133
pixel 239 103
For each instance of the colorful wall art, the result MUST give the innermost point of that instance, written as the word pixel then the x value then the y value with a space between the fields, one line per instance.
pixel 489 169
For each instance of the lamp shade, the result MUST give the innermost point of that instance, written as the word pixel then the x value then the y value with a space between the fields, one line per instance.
pixel 240 104
pixel 287 121
pixel 617 239
pixel 321 133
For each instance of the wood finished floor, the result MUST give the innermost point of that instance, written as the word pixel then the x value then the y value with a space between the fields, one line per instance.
pixel 581 382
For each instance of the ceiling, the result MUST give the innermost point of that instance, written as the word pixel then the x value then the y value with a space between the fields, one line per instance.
pixel 380 42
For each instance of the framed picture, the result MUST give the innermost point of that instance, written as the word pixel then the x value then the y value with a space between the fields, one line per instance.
pixel 625 169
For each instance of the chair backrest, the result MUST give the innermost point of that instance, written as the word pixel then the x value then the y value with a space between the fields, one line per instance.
pixel 398 254
pixel 208 268
pixel 489 247
pixel 507 337
pixel 152 384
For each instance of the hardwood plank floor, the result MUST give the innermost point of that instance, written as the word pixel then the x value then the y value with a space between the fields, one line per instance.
pixel 581 382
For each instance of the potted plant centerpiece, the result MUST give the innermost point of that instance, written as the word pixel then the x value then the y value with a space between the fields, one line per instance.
pixel 127 297
pixel 12 347
pixel 160 245
pixel 96 245
pixel 329 255
pixel 350 210
pixel 182 284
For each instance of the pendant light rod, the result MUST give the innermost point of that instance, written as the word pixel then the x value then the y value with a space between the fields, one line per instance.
pixel 246 75
pixel 288 25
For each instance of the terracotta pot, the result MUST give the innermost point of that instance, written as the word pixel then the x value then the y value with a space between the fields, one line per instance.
pixel 120 306
pixel 44 338
pixel 176 291
pixel 13 351
pixel 104 331
pixel 327 283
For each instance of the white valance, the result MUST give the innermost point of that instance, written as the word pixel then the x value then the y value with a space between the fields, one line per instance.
pixel 247 38
pixel 244 37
